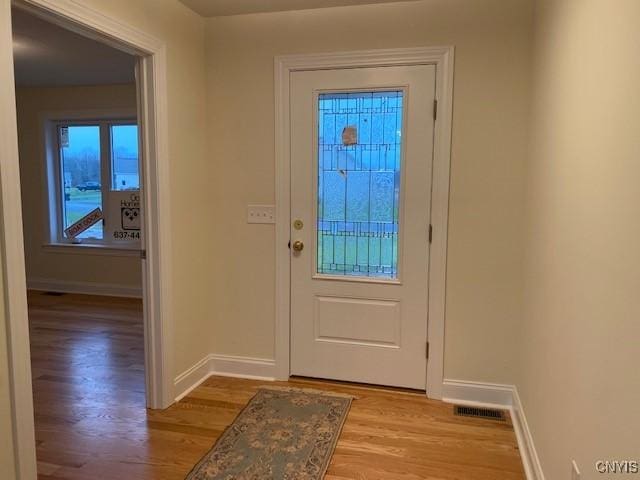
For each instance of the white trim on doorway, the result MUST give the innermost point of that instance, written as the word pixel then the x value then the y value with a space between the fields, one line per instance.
pixel 153 118
pixel 442 58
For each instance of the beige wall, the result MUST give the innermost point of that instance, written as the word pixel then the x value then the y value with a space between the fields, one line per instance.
pixel 580 385
pixel 492 40
pixel 44 264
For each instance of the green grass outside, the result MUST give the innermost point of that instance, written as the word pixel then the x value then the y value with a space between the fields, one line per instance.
pixel 78 205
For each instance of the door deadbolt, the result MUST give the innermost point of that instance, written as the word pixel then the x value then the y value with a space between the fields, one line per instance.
pixel 297 224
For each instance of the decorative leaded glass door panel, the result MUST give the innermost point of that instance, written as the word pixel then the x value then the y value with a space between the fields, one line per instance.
pixel 361 157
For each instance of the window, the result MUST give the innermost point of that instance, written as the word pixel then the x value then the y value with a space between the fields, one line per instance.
pixel 359 171
pixel 124 157
pixel 94 164
pixel 81 172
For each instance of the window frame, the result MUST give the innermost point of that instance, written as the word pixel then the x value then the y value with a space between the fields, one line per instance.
pixel 53 177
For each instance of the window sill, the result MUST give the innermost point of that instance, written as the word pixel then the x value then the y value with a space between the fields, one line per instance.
pixel 93 249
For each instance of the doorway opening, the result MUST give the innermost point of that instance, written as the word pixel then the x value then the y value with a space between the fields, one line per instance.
pixel 102 183
pixel 316 242
pixel 78 133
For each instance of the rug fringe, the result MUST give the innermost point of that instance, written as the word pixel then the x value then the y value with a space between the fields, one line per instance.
pixel 308 390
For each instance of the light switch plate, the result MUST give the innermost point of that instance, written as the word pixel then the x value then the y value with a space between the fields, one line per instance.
pixel 261 214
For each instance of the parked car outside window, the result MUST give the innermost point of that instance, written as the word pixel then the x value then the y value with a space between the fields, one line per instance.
pixel 83 187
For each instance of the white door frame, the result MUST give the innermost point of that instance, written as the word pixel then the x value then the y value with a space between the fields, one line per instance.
pixel 442 58
pixel 152 84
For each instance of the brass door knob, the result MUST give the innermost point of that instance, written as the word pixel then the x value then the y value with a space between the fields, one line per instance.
pixel 298 246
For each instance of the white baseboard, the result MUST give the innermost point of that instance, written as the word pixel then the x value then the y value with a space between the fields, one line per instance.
pixel 477 394
pixel 505 397
pixel 87 288
pixel 223 366
pixel 243 367
pixel 191 378
pixel 530 459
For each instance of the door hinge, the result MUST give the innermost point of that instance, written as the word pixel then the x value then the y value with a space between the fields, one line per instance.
pixel 430 233
pixel 143 254
pixel 427 350
pixel 435 109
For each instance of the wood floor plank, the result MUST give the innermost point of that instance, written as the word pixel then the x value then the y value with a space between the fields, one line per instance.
pixel 91 421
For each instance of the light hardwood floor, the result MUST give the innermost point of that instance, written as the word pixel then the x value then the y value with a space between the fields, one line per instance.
pixel 87 356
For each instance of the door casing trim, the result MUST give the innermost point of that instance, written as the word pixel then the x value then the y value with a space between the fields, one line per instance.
pixel 443 59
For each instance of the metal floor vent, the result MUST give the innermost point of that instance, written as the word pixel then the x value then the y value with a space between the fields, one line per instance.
pixel 486 413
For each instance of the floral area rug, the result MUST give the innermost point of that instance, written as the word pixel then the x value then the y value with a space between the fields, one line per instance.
pixel 282 434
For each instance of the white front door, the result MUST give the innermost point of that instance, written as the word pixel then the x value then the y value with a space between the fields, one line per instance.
pixel 361 160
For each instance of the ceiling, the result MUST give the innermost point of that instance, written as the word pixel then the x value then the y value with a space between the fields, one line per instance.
pixel 48 55
pixel 216 8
